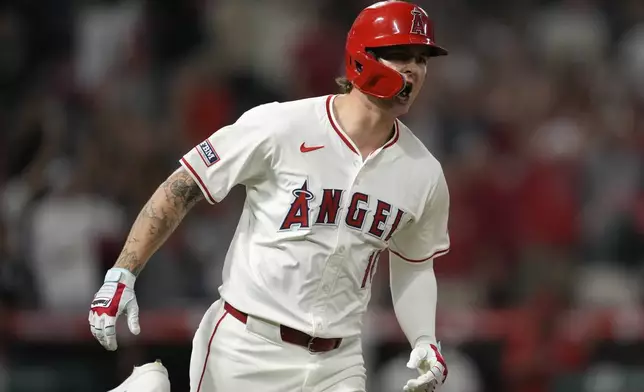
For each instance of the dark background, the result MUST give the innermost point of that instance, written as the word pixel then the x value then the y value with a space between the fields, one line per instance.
pixel 537 117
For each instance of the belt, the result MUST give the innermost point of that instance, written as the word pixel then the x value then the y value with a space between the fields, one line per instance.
pixel 293 336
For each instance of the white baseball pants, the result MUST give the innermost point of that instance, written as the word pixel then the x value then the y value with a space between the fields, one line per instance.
pixel 228 355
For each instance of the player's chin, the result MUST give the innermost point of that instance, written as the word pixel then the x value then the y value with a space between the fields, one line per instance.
pixel 406 96
pixel 400 104
pixel 397 105
pixel 403 100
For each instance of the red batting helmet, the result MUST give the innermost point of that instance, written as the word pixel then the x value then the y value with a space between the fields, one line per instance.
pixel 386 23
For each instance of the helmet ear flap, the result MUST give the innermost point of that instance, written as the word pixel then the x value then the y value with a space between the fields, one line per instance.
pixel 372 77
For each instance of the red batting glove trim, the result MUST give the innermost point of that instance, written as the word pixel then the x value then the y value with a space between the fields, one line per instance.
pixel 440 360
pixel 113 309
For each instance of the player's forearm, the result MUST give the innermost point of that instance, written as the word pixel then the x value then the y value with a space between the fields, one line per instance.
pixel 414 293
pixel 158 219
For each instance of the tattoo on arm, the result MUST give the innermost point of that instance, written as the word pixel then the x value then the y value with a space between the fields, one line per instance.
pixel 158 219
pixel 182 191
pixel 130 261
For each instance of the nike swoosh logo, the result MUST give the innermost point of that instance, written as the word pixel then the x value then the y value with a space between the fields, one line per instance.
pixel 304 148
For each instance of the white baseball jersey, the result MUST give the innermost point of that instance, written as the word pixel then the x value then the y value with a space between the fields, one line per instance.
pixel 317 216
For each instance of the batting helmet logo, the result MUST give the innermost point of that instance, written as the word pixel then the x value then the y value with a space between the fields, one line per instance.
pixel 418 26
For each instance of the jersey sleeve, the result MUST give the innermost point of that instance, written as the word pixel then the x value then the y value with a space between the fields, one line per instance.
pixel 427 237
pixel 235 154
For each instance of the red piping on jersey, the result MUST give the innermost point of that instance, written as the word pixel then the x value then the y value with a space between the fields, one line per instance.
pixel 336 128
pixel 394 139
pixel 205 362
pixel 203 186
pixel 438 253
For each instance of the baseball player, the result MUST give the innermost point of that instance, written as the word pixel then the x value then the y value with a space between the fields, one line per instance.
pixel 331 183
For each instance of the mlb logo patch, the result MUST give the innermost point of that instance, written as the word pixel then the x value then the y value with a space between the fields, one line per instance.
pixel 207 153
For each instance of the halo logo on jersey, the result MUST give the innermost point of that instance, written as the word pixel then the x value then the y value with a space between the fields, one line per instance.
pixel 207 153
pixel 298 214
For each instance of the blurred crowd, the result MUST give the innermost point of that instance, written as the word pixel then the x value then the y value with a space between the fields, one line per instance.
pixel 537 116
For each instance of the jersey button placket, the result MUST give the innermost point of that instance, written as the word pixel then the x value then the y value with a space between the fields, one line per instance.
pixel 342 229
pixel 329 277
pixel 360 166
pixel 322 297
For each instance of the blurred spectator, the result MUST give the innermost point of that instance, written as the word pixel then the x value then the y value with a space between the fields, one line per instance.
pixel 317 57
pixel 203 100
pixel 105 36
pixel 570 31
pixel 66 229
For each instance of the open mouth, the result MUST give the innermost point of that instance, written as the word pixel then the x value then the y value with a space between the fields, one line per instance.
pixel 406 91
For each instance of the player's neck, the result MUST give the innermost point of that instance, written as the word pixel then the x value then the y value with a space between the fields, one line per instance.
pixel 368 126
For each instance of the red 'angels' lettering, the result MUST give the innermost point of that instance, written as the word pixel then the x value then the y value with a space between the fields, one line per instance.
pixel 355 217
pixel 417 25
pixel 394 226
pixel 329 206
pixel 379 218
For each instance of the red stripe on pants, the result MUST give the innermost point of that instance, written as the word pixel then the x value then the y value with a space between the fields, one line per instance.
pixel 205 362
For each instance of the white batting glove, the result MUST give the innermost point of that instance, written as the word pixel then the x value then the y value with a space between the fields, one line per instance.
pixel 114 298
pixel 427 359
